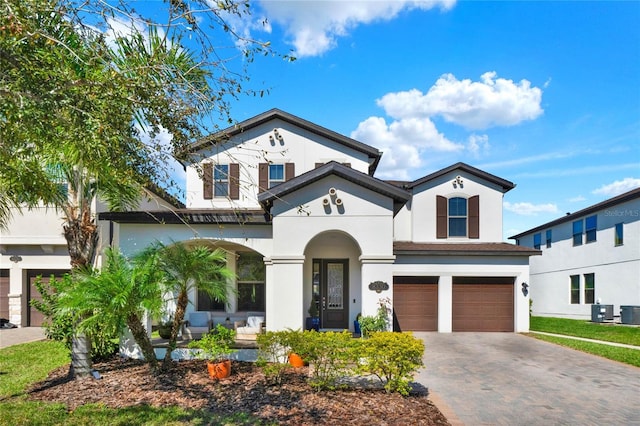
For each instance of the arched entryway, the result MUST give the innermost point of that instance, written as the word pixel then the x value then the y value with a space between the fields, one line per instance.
pixel 333 279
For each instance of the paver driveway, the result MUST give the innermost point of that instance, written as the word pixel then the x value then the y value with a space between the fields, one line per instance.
pixel 511 379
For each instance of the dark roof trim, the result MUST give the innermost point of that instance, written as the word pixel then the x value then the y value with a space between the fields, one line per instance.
pixel 190 216
pixel 505 184
pixel 462 249
pixel 399 195
pixel 622 198
pixel 163 194
pixel 373 153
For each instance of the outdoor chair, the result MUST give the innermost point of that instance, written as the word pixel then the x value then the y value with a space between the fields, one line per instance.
pixel 249 329
pixel 197 324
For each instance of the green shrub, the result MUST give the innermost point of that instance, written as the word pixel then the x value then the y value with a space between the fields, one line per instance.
pixel 331 355
pixel 393 358
pixel 58 325
pixel 379 322
pixel 272 354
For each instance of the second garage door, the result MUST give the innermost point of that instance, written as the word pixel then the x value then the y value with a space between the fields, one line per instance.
pixel 415 303
pixel 483 304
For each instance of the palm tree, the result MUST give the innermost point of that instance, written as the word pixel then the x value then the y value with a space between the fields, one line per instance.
pixel 188 269
pixel 117 296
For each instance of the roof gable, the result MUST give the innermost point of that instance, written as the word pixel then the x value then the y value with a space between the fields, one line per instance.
pixel 399 195
pixel 503 183
pixel 224 135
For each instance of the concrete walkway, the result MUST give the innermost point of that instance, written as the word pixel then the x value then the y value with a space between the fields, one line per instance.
pixel 511 379
pixel 14 336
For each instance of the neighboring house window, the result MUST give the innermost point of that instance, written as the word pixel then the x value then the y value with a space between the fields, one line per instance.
pixel 548 238
pixel 221 180
pixel 591 224
pixel 536 241
pixel 577 233
pixel 276 174
pixel 575 289
pixel 619 235
pixel 251 282
pixel 589 288
pixel 457 217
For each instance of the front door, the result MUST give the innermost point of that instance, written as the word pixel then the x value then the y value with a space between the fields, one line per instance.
pixel 334 302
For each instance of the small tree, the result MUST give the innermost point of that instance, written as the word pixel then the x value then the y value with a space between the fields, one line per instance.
pixel 118 296
pixel 186 269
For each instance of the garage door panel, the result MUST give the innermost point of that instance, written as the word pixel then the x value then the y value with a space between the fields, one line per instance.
pixel 483 307
pixel 416 306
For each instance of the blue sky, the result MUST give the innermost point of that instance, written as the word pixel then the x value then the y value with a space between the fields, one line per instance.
pixel 544 94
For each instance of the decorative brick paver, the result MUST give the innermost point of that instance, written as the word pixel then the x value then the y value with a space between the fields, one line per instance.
pixel 511 379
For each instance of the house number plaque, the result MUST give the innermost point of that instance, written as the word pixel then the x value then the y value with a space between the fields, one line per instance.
pixel 378 286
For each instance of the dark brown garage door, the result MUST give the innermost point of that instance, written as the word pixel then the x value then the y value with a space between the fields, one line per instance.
pixel 4 293
pixel 35 318
pixel 415 303
pixel 483 304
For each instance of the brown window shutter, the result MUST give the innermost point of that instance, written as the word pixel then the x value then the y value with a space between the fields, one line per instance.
pixel 207 180
pixel 234 181
pixel 289 171
pixel 474 217
pixel 319 165
pixel 263 176
pixel 441 217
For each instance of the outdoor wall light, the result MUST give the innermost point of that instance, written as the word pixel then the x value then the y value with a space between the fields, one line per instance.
pixel 525 288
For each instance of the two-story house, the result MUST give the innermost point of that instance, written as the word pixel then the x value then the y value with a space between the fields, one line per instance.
pixel 303 219
pixel 590 255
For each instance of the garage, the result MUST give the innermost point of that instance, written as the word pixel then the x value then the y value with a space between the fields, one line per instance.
pixel 35 317
pixel 483 304
pixel 415 303
pixel 4 293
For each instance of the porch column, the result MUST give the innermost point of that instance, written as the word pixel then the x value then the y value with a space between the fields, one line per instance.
pixel 445 304
pixel 376 268
pixel 284 292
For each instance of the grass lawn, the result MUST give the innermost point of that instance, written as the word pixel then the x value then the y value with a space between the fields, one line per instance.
pixel 589 330
pixel 23 365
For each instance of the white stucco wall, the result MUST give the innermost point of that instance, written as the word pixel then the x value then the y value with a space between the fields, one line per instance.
pixel 616 268
pixel 422 209
pixel 253 146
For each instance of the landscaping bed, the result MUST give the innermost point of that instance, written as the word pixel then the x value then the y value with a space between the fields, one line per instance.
pixel 127 383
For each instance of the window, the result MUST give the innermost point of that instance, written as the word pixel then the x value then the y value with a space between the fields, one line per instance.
pixel 251 282
pixel 575 289
pixel 457 217
pixel 206 303
pixel 221 181
pixel 536 241
pixel 591 225
pixel 548 238
pixel 276 174
pixel 577 233
pixel 589 288
pixel 619 235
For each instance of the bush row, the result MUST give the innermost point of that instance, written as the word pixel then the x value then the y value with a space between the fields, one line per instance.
pixel 392 357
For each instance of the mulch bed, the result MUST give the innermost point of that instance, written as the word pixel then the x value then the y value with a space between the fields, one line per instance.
pixel 127 383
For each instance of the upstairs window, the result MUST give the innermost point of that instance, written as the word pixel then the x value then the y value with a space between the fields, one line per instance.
pixel 457 217
pixel 577 233
pixel 591 226
pixel 619 235
pixel 536 241
pixel 221 180
pixel 276 174
pixel 548 238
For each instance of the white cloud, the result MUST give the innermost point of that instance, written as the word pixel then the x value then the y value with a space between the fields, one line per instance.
pixel 313 27
pixel 402 142
pixel 618 187
pixel 577 199
pixel 472 104
pixel 529 209
pixel 478 144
